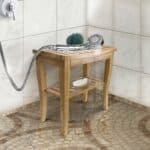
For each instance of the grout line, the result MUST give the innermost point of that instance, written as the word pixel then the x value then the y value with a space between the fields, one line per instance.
pixel 56 21
pixel 86 12
pixel 31 35
pixel 87 32
pixel 23 38
pixel 23 70
pixel 113 21
pixel 148 36
pixel 141 49
pixel 113 14
pixel 86 17
pixel 71 28
pixel 127 68
pixel 131 70
pixel 116 30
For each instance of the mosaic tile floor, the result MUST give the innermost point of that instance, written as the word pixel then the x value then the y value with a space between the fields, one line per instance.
pixel 123 127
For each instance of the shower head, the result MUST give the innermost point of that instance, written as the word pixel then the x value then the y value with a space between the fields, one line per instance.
pixel 95 40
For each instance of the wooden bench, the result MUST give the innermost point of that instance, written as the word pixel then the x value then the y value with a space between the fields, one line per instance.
pixel 66 60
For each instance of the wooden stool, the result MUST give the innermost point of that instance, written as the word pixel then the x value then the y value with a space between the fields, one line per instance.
pixel 66 60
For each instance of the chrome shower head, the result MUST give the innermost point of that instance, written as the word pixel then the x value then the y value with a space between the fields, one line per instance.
pixel 95 40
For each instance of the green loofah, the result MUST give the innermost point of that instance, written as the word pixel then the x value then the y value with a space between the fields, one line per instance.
pixel 75 39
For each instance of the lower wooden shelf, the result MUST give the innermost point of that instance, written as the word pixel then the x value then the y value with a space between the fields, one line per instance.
pixel 93 83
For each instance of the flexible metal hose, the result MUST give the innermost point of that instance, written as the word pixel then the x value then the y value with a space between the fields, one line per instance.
pixel 93 42
pixel 8 74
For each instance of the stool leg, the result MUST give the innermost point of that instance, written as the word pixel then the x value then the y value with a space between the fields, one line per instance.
pixel 86 73
pixel 107 76
pixel 64 90
pixel 41 76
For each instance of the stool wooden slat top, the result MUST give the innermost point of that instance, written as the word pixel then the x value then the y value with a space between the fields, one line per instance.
pixel 65 60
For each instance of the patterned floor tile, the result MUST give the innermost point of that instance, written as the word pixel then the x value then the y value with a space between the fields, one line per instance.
pixel 123 127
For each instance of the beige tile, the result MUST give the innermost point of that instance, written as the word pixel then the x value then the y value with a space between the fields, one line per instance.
pixel 13 51
pixel 35 42
pixel 71 13
pixel 145 54
pixel 145 100
pixel 128 50
pixel 127 16
pixel 100 13
pixel 10 99
pixel 145 17
pixel 125 83
pixel 31 91
pixel 39 16
pixel 10 29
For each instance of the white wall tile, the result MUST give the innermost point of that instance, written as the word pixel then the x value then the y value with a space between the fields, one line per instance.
pixel 31 92
pixel 127 16
pixel 107 34
pixel 10 29
pixel 39 16
pixel 35 42
pixel 52 75
pixel 100 13
pixel 146 54
pixel 145 90
pixel 63 34
pixel 9 98
pixel 71 13
pixel 145 17
pixel 76 72
pixel 98 70
pixel 128 50
pixel 30 43
pixel 125 83
pixel 13 51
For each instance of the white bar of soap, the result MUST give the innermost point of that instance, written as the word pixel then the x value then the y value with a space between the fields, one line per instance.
pixel 80 82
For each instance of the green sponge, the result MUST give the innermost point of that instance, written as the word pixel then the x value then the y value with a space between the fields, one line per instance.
pixel 75 39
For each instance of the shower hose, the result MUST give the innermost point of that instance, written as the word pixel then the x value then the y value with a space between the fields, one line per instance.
pixel 93 42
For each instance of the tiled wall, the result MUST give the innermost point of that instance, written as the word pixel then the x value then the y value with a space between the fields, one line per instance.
pixel 38 22
pixel 125 24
